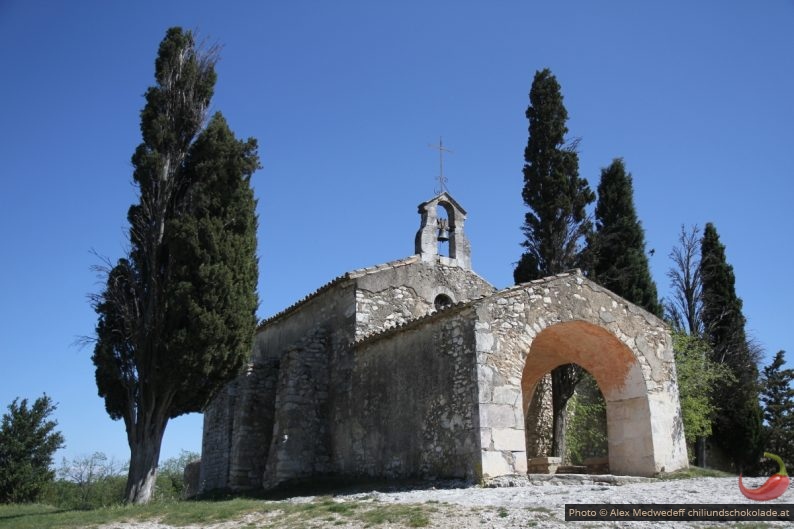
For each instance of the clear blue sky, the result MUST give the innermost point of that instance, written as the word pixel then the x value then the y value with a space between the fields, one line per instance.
pixel 344 98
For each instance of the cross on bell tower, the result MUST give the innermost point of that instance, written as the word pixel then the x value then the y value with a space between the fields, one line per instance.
pixel 442 180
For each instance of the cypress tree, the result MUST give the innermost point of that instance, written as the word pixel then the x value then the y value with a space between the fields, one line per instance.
pixel 777 396
pixel 738 424
pixel 177 315
pixel 618 244
pixel 556 221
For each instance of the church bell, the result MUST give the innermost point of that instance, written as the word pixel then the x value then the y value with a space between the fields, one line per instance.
pixel 443 230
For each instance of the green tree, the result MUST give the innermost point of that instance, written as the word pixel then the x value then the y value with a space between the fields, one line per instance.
pixel 177 315
pixel 738 423
pixel 697 375
pixel 777 395
pixel 556 223
pixel 28 441
pixel 619 262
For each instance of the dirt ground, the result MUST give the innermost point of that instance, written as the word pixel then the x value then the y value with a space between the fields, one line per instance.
pixel 516 504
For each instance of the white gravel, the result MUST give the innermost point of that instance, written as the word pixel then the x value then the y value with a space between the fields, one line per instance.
pixel 532 504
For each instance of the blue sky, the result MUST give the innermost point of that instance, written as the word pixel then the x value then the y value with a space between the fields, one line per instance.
pixel 344 98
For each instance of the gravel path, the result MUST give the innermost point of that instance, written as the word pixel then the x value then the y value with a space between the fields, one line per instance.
pixel 525 504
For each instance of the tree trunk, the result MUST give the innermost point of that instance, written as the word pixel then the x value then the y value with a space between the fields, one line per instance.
pixel 700 452
pixel 563 384
pixel 144 456
pixel 560 421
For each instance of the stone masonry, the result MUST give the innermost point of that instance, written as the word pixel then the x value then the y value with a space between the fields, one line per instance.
pixel 419 368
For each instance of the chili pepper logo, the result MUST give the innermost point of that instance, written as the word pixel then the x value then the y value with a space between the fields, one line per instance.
pixel 774 486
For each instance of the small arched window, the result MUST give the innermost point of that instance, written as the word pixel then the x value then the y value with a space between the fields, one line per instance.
pixel 442 301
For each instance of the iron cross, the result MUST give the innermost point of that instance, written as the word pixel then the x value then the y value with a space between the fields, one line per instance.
pixel 442 180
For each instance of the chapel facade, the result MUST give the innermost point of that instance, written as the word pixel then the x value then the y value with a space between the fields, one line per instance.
pixel 419 368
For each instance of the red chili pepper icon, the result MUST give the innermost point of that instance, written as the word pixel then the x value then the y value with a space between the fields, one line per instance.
pixel 774 486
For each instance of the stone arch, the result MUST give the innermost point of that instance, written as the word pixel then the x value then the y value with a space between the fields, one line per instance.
pixel 524 332
pixel 445 218
pixel 618 375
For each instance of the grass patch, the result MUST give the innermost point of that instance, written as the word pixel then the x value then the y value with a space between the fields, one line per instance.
pixel 544 510
pixel 695 472
pixel 502 512
pixel 36 516
pixel 410 515
pixel 281 514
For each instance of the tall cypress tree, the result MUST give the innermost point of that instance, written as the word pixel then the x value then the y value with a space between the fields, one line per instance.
pixel 619 262
pixel 738 423
pixel 556 222
pixel 778 398
pixel 177 315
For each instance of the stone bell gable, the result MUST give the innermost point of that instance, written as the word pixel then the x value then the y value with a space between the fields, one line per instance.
pixel 419 368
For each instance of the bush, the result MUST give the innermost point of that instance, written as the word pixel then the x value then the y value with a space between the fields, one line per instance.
pixel 27 443
pixel 170 476
pixel 95 481
pixel 87 482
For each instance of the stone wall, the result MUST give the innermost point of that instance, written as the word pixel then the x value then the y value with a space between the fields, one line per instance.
pixel 395 295
pixel 300 445
pixel 539 420
pixel 253 413
pixel 216 441
pixel 289 362
pixel 412 411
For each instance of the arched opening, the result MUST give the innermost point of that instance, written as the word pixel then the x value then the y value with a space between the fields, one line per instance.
pixel 445 227
pixel 442 301
pixel 618 377
pixel 585 447
pixel 586 430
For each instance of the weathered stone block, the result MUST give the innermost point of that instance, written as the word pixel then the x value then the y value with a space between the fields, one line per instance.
pixel 486 440
pixel 509 439
pixel 520 462
pixel 497 416
pixel 494 464
pixel 543 465
pixel 506 395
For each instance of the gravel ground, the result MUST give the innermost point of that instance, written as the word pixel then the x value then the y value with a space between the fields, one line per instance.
pixel 527 503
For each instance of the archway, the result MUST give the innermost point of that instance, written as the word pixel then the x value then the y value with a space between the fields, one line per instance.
pixel 524 332
pixel 619 377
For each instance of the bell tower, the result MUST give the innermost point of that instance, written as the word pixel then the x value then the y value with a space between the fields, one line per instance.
pixel 435 229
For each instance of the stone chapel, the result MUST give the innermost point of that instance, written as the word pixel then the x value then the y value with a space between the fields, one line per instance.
pixel 419 368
